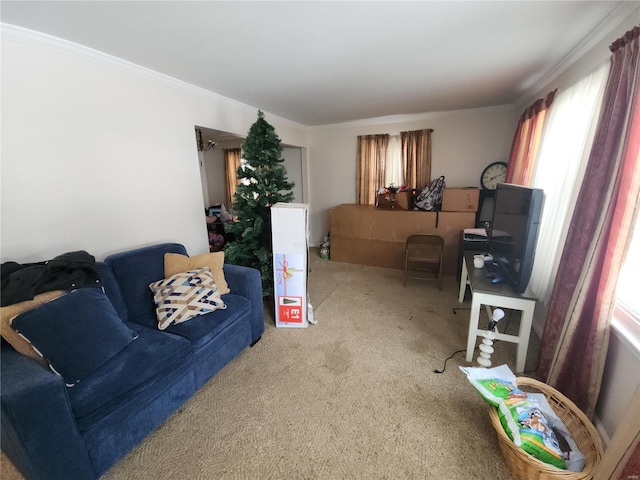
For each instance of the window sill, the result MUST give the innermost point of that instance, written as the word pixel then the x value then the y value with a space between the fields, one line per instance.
pixel 626 325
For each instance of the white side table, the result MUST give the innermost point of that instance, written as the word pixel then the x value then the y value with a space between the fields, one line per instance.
pixel 495 295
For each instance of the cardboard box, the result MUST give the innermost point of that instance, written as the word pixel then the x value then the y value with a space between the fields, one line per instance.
pixel 289 226
pixel 366 235
pixel 377 253
pixel 386 200
pixel 460 199
pixel 404 200
pixel 391 201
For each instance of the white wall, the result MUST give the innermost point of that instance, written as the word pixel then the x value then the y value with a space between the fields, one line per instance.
pixel 106 151
pixel 98 154
pixel 619 381
pixel 463 143
pixel 293 163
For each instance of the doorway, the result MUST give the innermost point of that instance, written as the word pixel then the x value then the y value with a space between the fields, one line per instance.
pixel 212 171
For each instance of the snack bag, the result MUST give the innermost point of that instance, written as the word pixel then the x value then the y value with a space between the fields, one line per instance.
pixel 493 384
pixel 520 414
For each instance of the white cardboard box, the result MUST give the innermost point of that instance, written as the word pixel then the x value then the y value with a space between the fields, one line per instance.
pixel 289 231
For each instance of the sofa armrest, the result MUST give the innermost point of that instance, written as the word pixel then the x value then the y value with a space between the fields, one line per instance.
pixel 246 281
pixel 39 432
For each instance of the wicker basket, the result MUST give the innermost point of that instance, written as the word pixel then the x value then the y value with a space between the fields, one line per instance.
pixel 526 467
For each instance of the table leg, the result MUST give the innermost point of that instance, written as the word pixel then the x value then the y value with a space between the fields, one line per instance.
pixel 523 336
pixel 474 317
pixel 464 278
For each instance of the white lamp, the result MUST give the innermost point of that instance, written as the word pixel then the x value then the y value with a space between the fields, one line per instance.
pixel 486 347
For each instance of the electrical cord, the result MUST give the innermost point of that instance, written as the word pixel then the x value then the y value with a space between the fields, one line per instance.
pixel 449 358
pixel 444 367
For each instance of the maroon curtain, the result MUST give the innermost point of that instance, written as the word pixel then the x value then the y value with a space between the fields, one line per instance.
pixel 576 334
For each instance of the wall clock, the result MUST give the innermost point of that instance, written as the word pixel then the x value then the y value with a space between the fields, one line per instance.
pixel 494 174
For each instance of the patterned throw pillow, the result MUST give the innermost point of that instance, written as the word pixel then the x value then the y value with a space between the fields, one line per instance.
pixel 185 295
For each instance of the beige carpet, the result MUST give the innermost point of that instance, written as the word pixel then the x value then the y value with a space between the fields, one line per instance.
pixel 353 397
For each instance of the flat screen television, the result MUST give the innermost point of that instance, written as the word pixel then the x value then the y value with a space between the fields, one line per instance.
pixel 514 232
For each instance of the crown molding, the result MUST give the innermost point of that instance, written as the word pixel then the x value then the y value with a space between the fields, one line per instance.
pixel 620 13
pixel 88 54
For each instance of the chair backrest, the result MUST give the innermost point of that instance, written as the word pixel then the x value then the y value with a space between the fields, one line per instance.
pixel 425 239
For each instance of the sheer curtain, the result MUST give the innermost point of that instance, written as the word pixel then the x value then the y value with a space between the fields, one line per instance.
pixel 559 168
pixel 232 158
pixel 394 173
pixel 370 166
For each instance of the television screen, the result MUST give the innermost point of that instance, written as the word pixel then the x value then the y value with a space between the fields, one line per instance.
pixel 514 232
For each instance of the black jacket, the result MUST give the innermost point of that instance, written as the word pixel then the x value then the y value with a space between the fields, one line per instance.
pixel 68 271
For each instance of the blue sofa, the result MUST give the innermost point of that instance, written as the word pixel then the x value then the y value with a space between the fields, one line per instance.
pixel 52 431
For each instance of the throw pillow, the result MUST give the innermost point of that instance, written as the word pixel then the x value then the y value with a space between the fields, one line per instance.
pixel 10 311
pixel 177 263
pixel 185 295
pixel 76 333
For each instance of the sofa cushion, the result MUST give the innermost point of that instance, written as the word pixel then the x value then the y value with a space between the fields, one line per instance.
pixel 206 328
pixel 217 337
pixel 185 295
pixel 76 333
pixel 176 263
pixel 131 380
pixel 135 270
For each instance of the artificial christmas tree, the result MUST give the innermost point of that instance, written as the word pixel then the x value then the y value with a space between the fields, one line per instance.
pixel 262 183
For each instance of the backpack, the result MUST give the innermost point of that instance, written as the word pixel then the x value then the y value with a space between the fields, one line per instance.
pixel 430 198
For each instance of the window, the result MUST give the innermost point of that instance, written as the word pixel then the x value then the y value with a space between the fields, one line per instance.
pixel 382 160
pixel 568 135
pixel 626 317
pixel 394 172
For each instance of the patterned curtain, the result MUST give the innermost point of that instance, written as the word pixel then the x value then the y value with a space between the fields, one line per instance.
pixel 576 334
pixel 416 157
pixel 370 166
pixel 526 141
pixel 232 157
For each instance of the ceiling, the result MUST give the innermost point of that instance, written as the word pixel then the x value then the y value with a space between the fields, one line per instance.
pixel 328 62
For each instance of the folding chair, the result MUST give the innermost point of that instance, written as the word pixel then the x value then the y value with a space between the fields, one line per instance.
pixel 423 256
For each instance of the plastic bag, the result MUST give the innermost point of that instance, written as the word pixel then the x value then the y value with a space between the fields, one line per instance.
pixel 573 457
